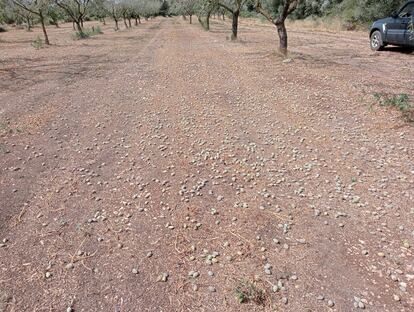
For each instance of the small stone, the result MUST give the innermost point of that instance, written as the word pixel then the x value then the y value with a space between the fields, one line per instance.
pixel 330 303
pixel 48 275
pixel 285 300
pixel 211 289
pixel 396 298
pixel 163 277
pixel 69 266
pixel 135 271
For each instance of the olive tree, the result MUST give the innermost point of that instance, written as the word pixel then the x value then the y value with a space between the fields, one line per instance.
pixel 276 12
pixel 38 8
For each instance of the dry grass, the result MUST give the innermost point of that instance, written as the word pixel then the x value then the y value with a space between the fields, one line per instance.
pixel 327 24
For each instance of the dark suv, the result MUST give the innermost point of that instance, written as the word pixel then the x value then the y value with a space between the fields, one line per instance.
pixel 396 30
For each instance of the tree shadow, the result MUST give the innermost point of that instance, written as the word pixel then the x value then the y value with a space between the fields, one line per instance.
pixel 20 73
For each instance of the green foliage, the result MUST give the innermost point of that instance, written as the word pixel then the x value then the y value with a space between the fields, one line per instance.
pixel 247 291
pixel 249 14
pixel 37 43
pixel 86 33
pixel 400 102
pixel 164 9
pixel 353 11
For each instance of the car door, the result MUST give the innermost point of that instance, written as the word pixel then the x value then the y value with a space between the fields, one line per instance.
pixel 398 26
pixel 409 31
pixel 406 15
pixel 394 31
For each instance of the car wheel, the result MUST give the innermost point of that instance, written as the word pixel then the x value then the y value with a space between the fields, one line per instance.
pixel 376 41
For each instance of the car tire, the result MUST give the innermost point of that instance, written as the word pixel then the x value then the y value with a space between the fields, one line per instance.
pixel 376 41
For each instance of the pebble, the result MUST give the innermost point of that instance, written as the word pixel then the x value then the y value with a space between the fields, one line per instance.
pixel 135 271
pixel 211 289
pixel 163 277
pixel 69 266
pixel 330 303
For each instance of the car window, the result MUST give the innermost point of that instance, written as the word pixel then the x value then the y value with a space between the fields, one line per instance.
pixel 407 11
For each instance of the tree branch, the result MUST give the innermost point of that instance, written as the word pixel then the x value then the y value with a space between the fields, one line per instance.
pixel 259 9
pixel 25 7
pixel 225 7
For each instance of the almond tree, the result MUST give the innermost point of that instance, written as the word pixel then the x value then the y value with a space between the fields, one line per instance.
pixel 234 7
pixel 149 8
pixel 114 9
pixel 185 7
pixel 36 7
pixel 277 16
pixel 206 8
pixel 76 10
pixel 27 16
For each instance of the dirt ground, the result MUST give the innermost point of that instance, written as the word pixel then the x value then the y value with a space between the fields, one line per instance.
pixel 165 168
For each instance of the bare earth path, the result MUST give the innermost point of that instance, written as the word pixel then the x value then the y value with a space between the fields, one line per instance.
pixel 157 168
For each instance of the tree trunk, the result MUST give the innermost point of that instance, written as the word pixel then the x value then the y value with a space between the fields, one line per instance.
pixel 208 20
pixel 73 25
pixel 81 22
pixel 283 38
pixel 139 19
pixel 191 19
pixel 78 26
pixel 136 21
pixel 29 26
pixel 116 24
pixel 42 22
pixel 235 25
pixel 103 21
pixel 223 16
pixel 129 22
pixel 126 25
